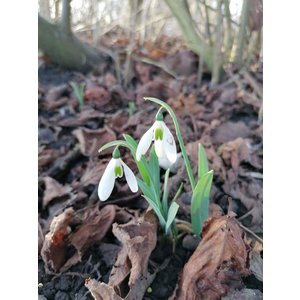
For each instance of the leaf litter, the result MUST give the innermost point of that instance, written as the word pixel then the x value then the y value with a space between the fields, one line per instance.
pixel 77 236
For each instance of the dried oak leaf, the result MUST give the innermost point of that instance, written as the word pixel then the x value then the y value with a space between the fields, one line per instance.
pixel 91 140
pixel 218 263
pixel 54 190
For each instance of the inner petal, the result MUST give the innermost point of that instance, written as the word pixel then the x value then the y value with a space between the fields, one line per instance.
pixel 118 171
pixel 158 134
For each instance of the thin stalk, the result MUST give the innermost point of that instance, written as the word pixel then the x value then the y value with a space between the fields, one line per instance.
pixel 179 136
pixel 66 16
pixel 241 38
pixel 229 37
pixel 217 62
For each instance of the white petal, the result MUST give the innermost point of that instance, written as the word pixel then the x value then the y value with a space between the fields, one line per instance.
pixel 169 144
pixel 130 178
pixel 164 162
pixel 159 150
pixel 144 143
pixel 107 181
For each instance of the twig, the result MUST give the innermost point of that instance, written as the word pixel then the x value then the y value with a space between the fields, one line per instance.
pixel 157 64
pixel 257 88
pixel 251 232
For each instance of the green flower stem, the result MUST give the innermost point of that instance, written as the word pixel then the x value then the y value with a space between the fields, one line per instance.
pixel 179 136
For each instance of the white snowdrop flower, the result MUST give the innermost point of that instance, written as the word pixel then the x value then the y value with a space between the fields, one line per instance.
pixel 115 168
pixel 164 143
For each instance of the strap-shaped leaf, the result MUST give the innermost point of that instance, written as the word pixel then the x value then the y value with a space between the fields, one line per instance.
pixel 200 202
pixel 202 162
pixel 171 215
pixel 162 221
pixel 165 193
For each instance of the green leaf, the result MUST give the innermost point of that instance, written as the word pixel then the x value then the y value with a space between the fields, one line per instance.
pixel 178 192
pixel 165 193
pixel 152 203
pixel 200 202
pixel 202 162
pixel 171 215
pixel 142 164
pixel 114 144
pixel 154 167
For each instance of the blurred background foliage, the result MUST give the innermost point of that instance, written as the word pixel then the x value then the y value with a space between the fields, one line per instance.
pixel 78 34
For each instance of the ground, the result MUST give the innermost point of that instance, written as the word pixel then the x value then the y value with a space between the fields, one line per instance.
pixel 77 239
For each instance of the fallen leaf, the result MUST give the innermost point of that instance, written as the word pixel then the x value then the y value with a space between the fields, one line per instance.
pixel 235 152
pixel 185 105
pixel 46 156
pixel 91 140
pixel 54 190
pixel 218 263
pixel 93 173
pixel 94 224
pixel 54 248
pixel 81 119
pixel 98 96
pixel 138 238
pixel 230 131
pixel 60 242
pixel 101 291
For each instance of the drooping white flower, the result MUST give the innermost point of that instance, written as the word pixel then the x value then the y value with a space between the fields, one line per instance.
pixel 115 168
pixel 164 143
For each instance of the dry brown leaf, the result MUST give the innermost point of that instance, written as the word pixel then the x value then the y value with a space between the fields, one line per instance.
pixel 91 140
pixel 234 152
pixel 80 119
pixel 230 131
pixel 93 173
pixel 54 190
pixel 94 224
pixel 156 88
pixel 217 265
pixel 138 238
pixel 54 249
pixel 101 291
pixel 185 105
pixel 98 95
pixel 91 226
pixel 47 156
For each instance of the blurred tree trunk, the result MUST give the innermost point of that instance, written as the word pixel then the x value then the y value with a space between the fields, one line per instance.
pixel 181 12
pixel 59 43
pixel 44 6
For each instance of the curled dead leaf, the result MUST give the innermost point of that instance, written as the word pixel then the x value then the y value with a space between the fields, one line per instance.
pixel 91 226
pixel 130 271
pixel 217 265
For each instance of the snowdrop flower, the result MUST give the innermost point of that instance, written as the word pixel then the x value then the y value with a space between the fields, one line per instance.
pixel 164 143
pixel 114 169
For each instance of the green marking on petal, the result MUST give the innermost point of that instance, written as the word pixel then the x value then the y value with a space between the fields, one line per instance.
pixel 118 171
pixel 158 134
